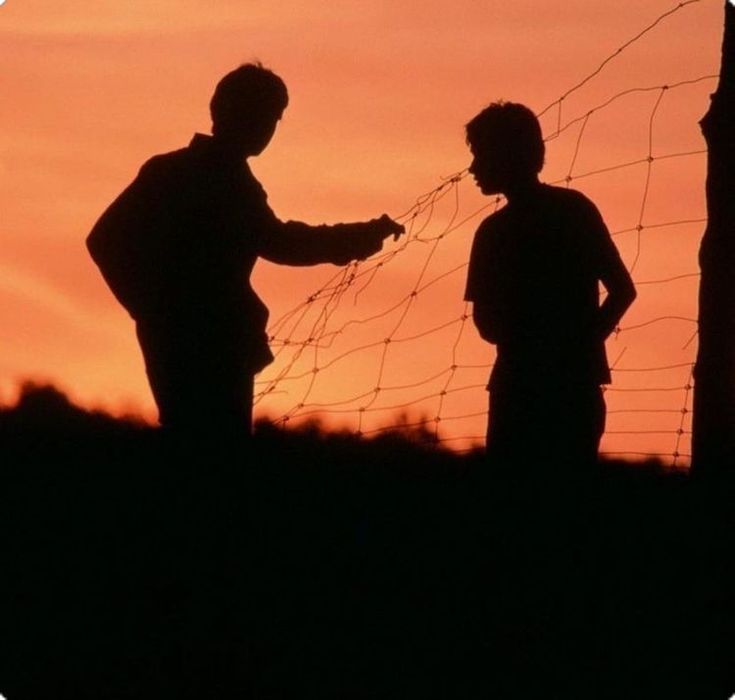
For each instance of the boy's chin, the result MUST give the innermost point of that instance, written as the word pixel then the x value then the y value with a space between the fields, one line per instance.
pixel 488 189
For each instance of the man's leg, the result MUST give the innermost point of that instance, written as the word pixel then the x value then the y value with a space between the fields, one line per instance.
pixel 204 394
pixel 201 386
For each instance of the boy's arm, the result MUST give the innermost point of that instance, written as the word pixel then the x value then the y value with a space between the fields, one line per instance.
pixel 620 295
pixel 484 318
pixel 480 289
pixel 612 273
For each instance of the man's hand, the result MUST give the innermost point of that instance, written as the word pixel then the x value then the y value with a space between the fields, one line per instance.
pixel 390 227
pixel 370 239
pixel 296 243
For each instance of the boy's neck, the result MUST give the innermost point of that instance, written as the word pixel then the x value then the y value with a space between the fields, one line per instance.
pixel 523 189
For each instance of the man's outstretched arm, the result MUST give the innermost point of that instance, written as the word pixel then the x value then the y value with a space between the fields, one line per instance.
pixel 297 243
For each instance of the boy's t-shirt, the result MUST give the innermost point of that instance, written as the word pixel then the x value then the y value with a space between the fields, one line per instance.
pixel 535 268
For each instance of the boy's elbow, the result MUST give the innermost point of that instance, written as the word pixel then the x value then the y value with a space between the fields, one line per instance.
pixel 630 294
pixel 488 337
pixel 486 331
pixel 622 293
pixel 484 323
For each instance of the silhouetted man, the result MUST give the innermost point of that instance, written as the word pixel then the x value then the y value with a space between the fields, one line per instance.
pixel 178 245
pixel 533 280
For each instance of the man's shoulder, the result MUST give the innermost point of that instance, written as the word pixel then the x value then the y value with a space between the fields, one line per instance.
pixel 182 170
pixel 169 162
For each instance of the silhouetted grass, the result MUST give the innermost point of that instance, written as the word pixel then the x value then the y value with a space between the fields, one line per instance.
pixel 317 564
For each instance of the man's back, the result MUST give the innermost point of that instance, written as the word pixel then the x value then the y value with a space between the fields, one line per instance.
pixel 188 225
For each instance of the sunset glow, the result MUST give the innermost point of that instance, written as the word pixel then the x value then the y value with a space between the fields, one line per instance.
pixel 379 94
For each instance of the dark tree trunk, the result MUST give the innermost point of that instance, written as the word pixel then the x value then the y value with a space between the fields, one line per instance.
pixel 713 448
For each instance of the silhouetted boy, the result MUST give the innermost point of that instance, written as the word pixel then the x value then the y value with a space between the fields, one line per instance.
pixel 178 245
pixel 533 281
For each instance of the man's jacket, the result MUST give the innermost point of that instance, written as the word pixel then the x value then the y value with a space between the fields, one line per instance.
pixel 178 245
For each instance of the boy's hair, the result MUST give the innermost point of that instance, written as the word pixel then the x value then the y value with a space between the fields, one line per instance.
pixel 246 92
pixel 514 127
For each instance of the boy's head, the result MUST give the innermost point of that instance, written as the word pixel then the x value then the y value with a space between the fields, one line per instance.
pixel 507 145
pixel 246 106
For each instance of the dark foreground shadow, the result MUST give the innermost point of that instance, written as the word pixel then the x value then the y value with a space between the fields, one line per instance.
pixel 334 568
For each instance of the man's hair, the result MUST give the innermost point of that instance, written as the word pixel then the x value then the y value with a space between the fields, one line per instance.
pixel 246 92
pixel 514 127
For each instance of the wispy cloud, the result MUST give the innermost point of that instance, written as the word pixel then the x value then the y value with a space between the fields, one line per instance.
pixel 20 285
pixel 123 18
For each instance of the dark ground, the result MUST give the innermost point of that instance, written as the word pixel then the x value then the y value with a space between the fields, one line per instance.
pixel 330 567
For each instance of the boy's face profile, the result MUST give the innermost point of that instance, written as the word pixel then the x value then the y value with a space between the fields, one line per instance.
pixel 489 167
pixel 499 166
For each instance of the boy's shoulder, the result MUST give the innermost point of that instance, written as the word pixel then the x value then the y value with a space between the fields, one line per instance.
pixel 568 199
pixel 494 221
pixel 553 203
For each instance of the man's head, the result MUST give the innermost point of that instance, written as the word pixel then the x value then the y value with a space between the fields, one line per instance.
pixel 507 145
pixel 246 106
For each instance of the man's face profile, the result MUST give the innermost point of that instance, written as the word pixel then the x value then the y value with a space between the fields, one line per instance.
pixel 261 134
pixel 251 135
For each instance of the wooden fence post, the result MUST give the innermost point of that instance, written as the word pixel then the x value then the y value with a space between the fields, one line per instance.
pixel 713 439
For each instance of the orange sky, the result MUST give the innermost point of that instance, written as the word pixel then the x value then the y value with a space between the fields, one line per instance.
pixel 379 94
